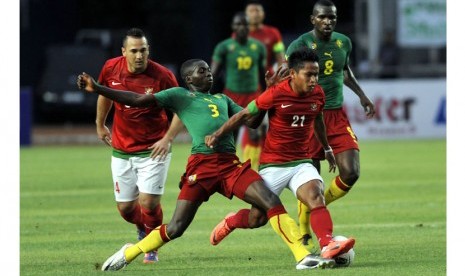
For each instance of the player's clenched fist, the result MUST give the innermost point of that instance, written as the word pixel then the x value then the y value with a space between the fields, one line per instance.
pixel 210 140
pixel 86 83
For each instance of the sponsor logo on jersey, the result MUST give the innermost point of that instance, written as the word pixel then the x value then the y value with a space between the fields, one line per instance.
pixel 330 54
pixel 285 105
pixel 208 100
pixel 115 83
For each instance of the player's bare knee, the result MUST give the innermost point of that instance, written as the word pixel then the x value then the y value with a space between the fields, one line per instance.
pixel 149 201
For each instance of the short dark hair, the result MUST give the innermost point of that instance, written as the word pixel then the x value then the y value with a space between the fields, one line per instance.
pixel 297 59
pixel 133 32
pixel 186 67
pixel 326 3
pixel 254 2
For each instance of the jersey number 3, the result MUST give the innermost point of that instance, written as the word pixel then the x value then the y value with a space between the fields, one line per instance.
pixel 214 109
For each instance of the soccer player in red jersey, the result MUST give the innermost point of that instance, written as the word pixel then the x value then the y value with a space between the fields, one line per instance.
pixel 138 179
pixel 334 50
pixel 209 169
pixel 270 36
pixel 295 109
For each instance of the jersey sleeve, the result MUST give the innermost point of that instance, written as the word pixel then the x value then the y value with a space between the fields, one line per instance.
pixel 103 74
pixel 170 80
pixel 233 107
pixel 171 98
pixel 265 100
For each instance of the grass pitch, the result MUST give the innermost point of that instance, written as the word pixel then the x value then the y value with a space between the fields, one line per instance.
pixel 69 223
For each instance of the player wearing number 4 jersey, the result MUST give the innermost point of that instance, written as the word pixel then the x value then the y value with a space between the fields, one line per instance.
pixel 333 50
pixel 209 169
pixel 294 107
pixel 138 179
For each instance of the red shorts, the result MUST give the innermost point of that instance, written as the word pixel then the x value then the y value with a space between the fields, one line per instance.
pixel 219 172
pixel 339 132
pixel 242 99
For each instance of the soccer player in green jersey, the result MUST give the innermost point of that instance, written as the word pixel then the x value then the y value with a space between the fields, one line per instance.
pixel 209 169
pixel 333 49
pixel 243 60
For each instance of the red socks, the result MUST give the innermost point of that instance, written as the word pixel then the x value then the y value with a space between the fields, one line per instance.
pixel 322 225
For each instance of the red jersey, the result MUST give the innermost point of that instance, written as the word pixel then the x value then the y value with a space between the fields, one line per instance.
pixel 291 122
pixel 271 37
pixel 135 129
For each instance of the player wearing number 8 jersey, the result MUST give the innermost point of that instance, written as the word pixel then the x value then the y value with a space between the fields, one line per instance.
pixel 333 50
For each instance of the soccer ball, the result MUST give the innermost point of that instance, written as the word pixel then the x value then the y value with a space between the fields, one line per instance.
pixel 347 258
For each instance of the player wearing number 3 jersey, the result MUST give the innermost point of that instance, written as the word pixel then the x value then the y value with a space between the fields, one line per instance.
pixel 209 169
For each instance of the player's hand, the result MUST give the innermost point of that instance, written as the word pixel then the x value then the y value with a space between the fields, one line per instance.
pixel 104 134
pixel 160 148
pixel 329 155
pixel 86 83
pixel 211 140
pixel 281 74
pixel 368 106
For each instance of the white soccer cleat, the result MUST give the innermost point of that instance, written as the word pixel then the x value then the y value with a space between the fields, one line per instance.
pixel 311 261
pixel 117 261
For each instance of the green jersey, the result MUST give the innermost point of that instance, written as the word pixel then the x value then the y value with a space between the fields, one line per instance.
pixel 241 63
pixel 202 114
pixel 334 56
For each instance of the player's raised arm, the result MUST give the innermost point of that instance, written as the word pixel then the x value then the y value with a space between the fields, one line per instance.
pixel 86 83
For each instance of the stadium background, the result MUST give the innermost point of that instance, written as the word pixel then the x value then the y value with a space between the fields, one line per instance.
pixel 59 39
pixel 57 35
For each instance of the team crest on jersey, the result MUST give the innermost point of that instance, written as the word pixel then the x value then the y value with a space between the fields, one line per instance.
pixel 149 90
pixel 313 46
pixel 253 46
pixel 232 47
pixel 313 106
pixel 339 43
pixel 191 179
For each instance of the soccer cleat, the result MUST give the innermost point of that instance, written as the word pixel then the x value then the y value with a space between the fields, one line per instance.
pixel 221 230
pixel 117 261
pixel 336 248
pixel 312 261
pixel 151 257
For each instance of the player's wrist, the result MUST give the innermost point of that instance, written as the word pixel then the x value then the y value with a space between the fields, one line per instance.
pixel 328 149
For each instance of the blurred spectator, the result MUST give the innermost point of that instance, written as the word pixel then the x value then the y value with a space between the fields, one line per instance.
pixel 388 57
